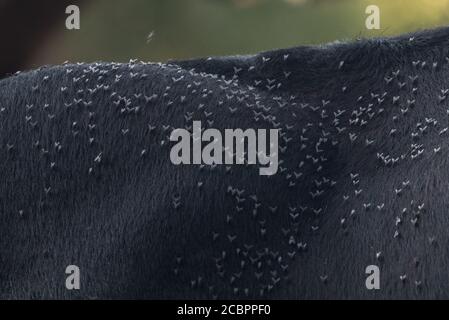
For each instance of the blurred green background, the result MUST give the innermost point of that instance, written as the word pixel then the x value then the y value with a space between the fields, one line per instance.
pixel 117 30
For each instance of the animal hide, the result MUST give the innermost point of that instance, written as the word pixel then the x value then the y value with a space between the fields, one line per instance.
pixel 86 176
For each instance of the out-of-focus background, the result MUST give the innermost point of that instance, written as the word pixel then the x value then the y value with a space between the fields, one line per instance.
pixel 33 33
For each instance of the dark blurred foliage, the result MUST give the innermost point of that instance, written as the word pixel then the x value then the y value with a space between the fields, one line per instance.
pixel 33 32
pixel 23 27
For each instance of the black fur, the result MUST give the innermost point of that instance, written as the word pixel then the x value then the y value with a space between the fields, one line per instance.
pixel 87 179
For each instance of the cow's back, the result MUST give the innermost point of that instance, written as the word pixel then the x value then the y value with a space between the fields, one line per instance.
pixel 87 176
